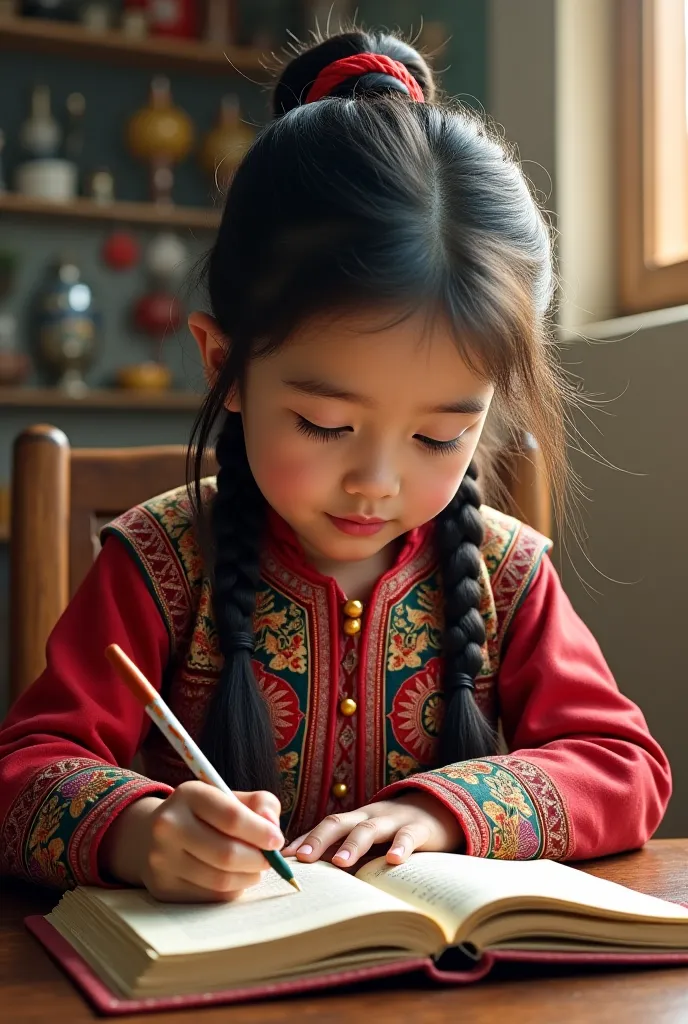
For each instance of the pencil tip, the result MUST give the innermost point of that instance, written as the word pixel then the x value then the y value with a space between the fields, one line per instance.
pixel 295 884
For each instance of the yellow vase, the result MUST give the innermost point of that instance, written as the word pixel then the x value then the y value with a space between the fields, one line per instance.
pixel 224 146
pixel 161 135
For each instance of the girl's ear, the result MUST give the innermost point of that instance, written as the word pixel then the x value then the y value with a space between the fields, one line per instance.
pixel 213 346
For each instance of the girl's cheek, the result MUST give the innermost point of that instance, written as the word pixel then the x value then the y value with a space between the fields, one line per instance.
pixel 435 492
pixel 289 478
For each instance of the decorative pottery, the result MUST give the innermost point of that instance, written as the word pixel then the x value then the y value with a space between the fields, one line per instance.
pixel 135 19
pixel 56 180
pixel 150 376
pixel 100 186
pixel 161 135
pixel 176 18
pixel 166 257
pixel 97 16
pixel 120 251
pixel 40 134
pixel 67 326
pixel 225 145
pixel 158 313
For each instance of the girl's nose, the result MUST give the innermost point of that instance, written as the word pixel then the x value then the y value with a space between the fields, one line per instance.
pixel 373 479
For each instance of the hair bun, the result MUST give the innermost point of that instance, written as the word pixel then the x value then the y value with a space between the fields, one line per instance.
pixel 408 73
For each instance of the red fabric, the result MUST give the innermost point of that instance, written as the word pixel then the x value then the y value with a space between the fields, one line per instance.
pixel 562 710
pixel 562 713
pixel 563 716
pixel 78 708
pixel 361 64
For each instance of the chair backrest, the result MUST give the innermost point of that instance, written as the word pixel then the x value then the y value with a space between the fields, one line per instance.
pixel 62 496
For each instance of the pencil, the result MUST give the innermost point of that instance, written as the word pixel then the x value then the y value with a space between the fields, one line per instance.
pixel 158 711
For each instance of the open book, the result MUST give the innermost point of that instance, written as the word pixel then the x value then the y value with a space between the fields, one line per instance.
pixel 143 949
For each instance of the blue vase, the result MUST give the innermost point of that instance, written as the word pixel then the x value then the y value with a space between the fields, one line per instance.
pixel 67 326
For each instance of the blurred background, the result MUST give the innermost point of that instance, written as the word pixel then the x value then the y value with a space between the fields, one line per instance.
pixel 120 122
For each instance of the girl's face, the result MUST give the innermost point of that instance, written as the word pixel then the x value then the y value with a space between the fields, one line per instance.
pixel 357 434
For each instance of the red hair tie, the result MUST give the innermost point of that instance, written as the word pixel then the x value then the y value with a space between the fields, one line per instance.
pixel 362 64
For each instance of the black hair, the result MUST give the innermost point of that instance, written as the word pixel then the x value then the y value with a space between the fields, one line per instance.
pixel 369 199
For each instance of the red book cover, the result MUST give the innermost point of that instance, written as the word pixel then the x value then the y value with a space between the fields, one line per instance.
pixel 109 1004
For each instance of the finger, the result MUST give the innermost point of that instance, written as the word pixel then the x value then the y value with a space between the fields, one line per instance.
pixel 406 840
pixel 217 851
pixel 264 803
pixel 331 829
pixel 231 817
pixel 362 837
pixel 222 883
pixel 183 891
pixel 292 847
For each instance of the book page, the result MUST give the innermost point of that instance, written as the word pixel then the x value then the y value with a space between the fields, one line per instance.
pixel 271 910
pixel 452 887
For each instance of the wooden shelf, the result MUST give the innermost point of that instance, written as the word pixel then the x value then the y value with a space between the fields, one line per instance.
pixel 99 398
pixel 38 35
pixel 152 214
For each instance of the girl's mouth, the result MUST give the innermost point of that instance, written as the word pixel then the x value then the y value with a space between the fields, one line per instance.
pixel 358 526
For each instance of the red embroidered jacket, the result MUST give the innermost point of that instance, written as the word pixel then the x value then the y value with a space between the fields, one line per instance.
pixel 583 777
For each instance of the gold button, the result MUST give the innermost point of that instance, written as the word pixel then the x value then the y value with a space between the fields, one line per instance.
pixel 348 707
pixel 339 790
pixel 352 626
pixel 354 609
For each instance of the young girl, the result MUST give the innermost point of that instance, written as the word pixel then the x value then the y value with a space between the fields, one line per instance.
pixel 338 617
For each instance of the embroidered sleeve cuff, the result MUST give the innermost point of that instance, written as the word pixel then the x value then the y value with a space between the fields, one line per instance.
pixel 508 808
pixel 53 832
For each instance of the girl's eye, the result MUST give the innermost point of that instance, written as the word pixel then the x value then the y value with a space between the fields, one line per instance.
pixel 440 447
pixel 319 433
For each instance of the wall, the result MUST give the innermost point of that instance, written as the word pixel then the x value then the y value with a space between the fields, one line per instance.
pixel 635 517
pixel 547 62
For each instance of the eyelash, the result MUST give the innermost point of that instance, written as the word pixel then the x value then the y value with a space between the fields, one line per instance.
pixel 317 433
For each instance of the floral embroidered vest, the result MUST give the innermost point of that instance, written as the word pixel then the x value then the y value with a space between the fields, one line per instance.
pixel 351 714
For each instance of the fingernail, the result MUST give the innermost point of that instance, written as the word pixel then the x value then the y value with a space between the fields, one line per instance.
pixel 275 841
pixel 305 849
pixel 398 851
pixel 343 855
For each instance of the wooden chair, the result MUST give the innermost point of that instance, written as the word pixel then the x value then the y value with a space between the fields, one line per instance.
pixel 61 497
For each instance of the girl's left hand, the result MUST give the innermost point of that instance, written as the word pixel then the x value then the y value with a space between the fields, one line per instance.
pixel 416 821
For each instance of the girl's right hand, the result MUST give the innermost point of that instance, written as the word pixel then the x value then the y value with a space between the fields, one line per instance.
pixel 197 845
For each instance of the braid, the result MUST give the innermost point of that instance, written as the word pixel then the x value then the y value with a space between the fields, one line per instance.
pixel 459 533
pixel 238 736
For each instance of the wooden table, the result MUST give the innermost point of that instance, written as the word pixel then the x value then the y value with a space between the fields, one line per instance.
pixel 32 988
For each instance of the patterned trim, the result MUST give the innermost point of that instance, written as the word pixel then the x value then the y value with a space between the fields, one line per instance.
pixel 160 567
pixel 312 786
pixel 509 809
pixel 557 823
pixel 512 553
pixel 52 831
pixel 372 680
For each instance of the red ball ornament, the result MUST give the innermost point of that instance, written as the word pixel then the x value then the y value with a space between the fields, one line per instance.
pixel 157 313
pixel 121 251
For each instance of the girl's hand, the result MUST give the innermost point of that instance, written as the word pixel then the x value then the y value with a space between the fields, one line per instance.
pixel 197 845
pixel 416 821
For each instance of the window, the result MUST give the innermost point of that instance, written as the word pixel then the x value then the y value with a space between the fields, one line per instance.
pixel 653 153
